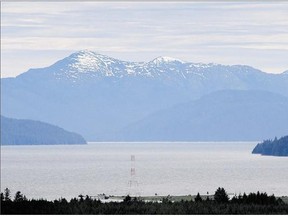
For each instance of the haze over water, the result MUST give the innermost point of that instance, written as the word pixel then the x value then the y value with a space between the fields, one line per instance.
pixel 163 168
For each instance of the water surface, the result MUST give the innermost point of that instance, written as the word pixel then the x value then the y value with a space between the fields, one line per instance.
pixel 162 168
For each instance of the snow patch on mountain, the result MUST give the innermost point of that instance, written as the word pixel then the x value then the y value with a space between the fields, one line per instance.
pixel 165 60
pixel 97 64
pixel 87 61
pixel 88 65
pixel 202 65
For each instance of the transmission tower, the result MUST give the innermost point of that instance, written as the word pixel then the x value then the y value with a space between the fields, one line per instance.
pixel 133 183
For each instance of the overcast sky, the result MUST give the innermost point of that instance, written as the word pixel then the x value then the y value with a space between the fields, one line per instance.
pixel 38 34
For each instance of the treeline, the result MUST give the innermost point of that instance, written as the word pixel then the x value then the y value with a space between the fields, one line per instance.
pixel 253 203
pixel 276 147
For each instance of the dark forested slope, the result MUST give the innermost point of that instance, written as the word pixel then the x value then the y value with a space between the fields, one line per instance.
pixel 277 147
pixel 20 132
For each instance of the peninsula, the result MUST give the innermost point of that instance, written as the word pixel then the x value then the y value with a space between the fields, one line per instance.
pixel 29 132
pixel 277 147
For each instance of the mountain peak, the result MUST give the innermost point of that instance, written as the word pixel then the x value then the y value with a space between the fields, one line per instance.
pixel 165 59
pixel 87 61
pixel 87 65
pixel 85 51
pixel 85 56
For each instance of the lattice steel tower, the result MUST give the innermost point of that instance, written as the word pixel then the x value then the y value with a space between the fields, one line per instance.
pixel 133 183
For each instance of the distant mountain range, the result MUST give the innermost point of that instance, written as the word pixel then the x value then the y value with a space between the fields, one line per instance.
pixel 21 132
pixel 102 97
pixel 228 115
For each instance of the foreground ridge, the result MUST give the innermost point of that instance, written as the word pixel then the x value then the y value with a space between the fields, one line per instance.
pixel 253 203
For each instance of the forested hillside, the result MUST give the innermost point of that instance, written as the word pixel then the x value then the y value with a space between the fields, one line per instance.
pixel 277 147
pixel 20 132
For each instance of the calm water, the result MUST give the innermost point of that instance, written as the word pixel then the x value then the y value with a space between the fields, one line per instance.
pixel 162 168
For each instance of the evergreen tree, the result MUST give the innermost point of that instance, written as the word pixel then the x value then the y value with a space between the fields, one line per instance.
pixel 127 199
pixel 18 197
pixel 198 198
pixel 2 197
pixel 81 197
pixel 221 196
pixel 7 195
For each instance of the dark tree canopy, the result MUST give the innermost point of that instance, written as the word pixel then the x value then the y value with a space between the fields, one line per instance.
pixel 18 197
pixel 7 195
pixel 253 203
pixel 221 196
pixel 198 198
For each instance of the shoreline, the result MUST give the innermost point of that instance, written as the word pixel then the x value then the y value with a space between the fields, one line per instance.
pixel 219 203
pixel 177 198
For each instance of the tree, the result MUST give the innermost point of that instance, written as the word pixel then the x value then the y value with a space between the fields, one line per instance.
pixel 18 197
pixel 167 199
pixel 127 199
pixel 2 197
pixel 198 198
pixel 81 197
pixel 7 194
pixel 221 196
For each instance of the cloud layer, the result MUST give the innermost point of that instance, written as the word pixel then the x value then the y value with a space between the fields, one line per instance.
pixel 37 34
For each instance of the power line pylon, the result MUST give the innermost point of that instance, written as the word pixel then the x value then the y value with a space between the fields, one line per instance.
pixel 133 183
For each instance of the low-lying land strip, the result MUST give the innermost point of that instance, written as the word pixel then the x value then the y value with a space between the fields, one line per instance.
pixel 219 203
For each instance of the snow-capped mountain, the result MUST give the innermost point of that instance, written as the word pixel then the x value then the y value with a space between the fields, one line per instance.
pixel 87 64
pixel 96 95
pixel 87 67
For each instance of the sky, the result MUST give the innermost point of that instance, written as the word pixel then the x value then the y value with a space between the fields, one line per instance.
pixel 37 34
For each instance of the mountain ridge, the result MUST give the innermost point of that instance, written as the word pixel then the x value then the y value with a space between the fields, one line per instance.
pixel 105 95
pixel 85 62
pixel 227 115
